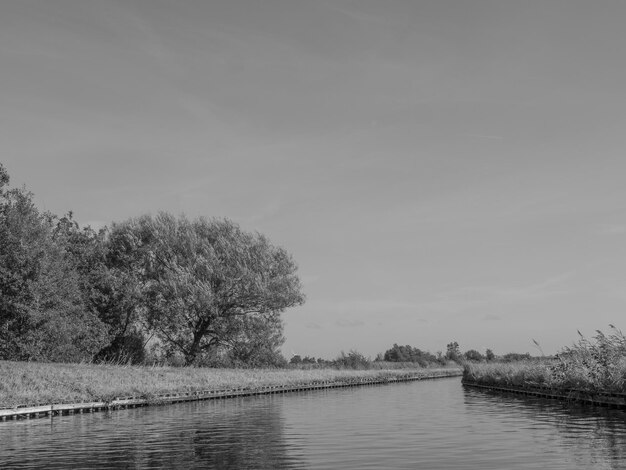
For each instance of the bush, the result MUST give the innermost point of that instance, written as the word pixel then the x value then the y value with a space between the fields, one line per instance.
pixel 124 349
pixel 352 360
pixel 489 355
pixel 473 355
pixel 408 354
pixel 515 357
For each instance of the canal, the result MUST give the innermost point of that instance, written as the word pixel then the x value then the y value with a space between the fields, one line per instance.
pixel 434 424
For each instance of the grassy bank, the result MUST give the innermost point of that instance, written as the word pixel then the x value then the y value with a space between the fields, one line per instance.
pixel 594 365
pixel 27 383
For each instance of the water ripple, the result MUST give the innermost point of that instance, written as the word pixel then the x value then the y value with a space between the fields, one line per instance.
pixel 432 424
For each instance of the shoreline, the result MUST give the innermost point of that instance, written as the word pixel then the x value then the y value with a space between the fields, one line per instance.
pixel 569 395
pixel 266 382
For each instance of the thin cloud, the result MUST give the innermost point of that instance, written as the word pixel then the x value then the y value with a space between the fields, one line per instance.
pixel 350 323
pixel 460 299
pixel 370 306
pixel 613 229
pixel 483 136
pixel 492 317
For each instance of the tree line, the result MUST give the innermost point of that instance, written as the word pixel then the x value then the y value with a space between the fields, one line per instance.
pixel 201 290
pixel 407 353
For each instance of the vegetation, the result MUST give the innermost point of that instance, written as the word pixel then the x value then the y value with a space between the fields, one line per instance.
pixel 207 283
pixel 410 354
pixel 43 310
pixel 473 355
pixel 27 383
pixel 453 352
pixel 204 289
pixel 597 364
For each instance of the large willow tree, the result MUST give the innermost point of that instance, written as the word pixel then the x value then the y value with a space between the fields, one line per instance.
pixel 202 277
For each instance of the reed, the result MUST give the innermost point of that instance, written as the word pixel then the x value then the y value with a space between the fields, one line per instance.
pixel 28 383
pixel 596 365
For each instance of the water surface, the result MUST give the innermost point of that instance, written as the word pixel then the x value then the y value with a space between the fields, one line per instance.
pixel 435 424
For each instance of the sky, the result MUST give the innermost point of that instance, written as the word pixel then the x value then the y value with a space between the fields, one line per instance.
pixel 440 170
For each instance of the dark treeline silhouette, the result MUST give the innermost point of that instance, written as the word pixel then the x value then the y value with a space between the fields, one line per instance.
pixel 160 288
pixel 410 354
pixel 399 356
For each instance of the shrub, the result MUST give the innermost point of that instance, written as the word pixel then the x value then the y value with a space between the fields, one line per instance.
pixel 352 360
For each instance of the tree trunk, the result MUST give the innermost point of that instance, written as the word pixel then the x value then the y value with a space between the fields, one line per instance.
pixel 190 357
pixel 192 353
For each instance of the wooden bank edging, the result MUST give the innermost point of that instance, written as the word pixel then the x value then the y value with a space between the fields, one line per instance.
pixel 56 409
pixel 611 400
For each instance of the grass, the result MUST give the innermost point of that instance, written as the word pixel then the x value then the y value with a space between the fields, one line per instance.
pixel 595 365
pixel 30 383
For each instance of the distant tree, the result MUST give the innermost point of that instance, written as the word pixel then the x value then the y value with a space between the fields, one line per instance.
pixel 295 359
pixel 352 360
pixel 453 352
pixel 489 355
pixel 441 359
pixel 200 278
pixel 512 357
pixel 473 355
pixel 408 354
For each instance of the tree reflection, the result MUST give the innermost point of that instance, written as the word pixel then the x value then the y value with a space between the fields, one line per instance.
pixel 236 433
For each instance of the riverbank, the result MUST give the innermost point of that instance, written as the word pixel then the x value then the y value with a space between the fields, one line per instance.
pixel 29 384
pixel 556 374
pixel 596 365
pixel 552 378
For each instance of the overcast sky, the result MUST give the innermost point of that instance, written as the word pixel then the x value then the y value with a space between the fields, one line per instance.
pixel 440 170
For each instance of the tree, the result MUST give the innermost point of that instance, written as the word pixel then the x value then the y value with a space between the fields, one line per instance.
pixel 202 280
pixel 42 311
pixel 453 353
pixel 352 360
pixel 473 355
pixel 257 341
pixel 408 354
pixel 295 359
pixel 489 355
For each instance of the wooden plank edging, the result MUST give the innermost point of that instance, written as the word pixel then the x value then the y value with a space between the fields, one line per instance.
pixel 51 410
pixel 608 399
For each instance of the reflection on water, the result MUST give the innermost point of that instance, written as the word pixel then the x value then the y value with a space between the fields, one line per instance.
pixel 430 425
pixel 592 435
pixel 237 433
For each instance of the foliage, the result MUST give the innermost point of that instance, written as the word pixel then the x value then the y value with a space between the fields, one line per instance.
pixel 202 280
pixel 43 315
pixel 597 364
pixel 295 359
pixel 453 352
pixel 514 357
pixel 489 355
pixel 204 287
pixel 352 360
pixel 110 288
pixel 256 341
pixel 473 355
pixel 409 354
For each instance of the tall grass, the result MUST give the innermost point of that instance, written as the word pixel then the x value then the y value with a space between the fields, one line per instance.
pixel 596 364
pixel 28 383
